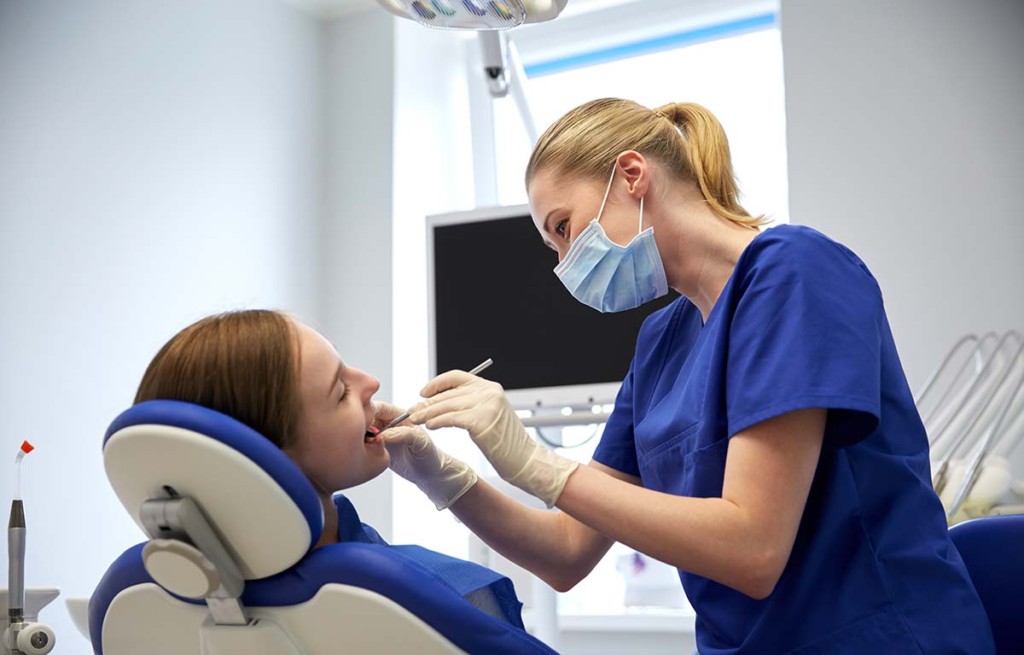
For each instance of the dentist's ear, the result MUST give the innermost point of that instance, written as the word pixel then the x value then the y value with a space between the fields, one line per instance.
pixel 636 170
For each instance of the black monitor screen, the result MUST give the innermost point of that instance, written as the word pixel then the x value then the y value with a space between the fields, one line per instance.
pixel 496 295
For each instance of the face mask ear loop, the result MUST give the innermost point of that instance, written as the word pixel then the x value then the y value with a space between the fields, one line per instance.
pixel 640 226
pixel 607 190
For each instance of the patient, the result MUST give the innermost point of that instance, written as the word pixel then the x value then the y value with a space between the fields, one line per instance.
pixel 287 382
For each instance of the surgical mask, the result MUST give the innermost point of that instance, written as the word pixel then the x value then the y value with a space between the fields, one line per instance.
pixel 612 278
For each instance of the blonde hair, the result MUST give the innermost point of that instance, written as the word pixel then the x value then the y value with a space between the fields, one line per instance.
pixel 685 137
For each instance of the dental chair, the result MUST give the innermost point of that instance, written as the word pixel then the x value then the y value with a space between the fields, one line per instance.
pixel 230 565
pixel 992 547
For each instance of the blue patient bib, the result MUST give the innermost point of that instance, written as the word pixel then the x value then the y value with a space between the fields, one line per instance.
pixel 465 578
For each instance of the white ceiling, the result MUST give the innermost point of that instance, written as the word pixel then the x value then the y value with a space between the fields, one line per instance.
pixel 334 8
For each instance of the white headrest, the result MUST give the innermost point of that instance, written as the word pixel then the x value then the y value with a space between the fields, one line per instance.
pixel 262 527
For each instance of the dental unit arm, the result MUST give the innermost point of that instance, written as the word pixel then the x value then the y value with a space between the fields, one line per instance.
pixel 503 70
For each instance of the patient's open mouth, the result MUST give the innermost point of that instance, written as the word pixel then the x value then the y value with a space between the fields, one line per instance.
pixel 371 434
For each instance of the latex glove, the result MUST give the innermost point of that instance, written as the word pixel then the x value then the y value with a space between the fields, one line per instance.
pixel 414 456
pixel 458 399
pixel 384 413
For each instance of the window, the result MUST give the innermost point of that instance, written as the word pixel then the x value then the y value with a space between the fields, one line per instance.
pixel 738 77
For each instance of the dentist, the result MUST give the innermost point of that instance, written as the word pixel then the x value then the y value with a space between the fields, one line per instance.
pixel 764 442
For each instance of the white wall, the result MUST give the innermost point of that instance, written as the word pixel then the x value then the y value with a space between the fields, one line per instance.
pixel 355 276
pixel 905 141
pixel 158 161
pixel 433 173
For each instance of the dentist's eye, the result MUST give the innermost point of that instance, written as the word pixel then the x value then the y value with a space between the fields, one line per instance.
pixel 561 227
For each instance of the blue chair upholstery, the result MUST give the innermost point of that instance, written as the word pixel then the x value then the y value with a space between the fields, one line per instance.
pixel 401 574
pixel 992 547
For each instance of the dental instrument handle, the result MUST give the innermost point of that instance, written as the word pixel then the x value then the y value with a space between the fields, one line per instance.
pixel 16 563
pixel 479 368
pixel 396 421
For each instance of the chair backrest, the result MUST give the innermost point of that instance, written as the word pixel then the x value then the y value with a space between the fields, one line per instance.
pixel 344 598
pixel 992 547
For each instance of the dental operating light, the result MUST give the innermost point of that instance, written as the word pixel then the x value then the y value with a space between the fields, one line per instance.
pixel 475 14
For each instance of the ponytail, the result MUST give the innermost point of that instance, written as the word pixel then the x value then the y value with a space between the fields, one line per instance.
pixel 685 137
pixel 706 149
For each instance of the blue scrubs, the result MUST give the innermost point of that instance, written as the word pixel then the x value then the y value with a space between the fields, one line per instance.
pixel 801 324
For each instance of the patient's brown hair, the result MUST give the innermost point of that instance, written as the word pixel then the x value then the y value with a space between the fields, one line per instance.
pixel 243 364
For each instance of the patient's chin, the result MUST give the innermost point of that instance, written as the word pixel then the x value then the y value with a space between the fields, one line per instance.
pixel 382 463
pixel 375 464
pixel 368 469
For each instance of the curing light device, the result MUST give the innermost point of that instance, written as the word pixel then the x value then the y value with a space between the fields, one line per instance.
pixel 475 14
pixel 22 634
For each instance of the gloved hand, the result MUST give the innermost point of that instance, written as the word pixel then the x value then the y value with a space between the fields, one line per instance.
pixel 415 457
pixel 458 399
pixel 384 413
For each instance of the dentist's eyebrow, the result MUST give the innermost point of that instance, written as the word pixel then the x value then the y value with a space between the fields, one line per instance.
pixel 547 219
pixel 545 228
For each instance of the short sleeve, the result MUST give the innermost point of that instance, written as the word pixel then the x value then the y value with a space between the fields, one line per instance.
pixel 806 333
pixel 617 448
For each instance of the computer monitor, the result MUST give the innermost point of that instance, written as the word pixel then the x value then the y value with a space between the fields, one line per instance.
pixel 493 293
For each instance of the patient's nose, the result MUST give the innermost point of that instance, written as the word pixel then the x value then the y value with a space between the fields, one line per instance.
pixel 369 384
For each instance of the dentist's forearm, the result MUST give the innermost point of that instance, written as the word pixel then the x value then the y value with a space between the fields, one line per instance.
pixel 552 545
pixel 711 537
pixel 742 539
